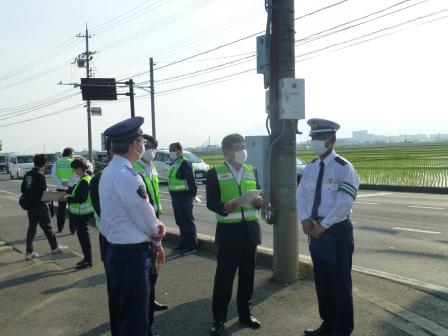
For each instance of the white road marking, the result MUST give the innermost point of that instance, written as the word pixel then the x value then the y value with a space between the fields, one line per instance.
pixel 425 207
pixel 366 203
pixel 414 230
pixel 371 195
pixel 8 192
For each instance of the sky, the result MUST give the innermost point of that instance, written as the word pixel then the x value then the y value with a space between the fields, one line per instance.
pixel 385 73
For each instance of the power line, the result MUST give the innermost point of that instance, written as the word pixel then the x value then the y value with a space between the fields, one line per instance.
pixel 43 116
pixel 36 102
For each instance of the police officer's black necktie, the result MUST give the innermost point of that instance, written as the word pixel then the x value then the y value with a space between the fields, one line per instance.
pixel 317 195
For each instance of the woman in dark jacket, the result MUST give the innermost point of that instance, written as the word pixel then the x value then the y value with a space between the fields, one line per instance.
pixel 81 209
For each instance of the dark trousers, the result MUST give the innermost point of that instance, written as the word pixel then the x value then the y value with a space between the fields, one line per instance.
pixel 231 257
pixel 128 275
pixel 152 298
pixel 39 215
pixel 80 223
pixel 60 215
pixel 183 214
pixel 332 265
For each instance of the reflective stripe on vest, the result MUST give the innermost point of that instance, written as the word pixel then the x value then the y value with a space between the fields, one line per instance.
pixel 64 170
pixel 230 190
pixel 151 185
pixel 175 184
pixel 85 208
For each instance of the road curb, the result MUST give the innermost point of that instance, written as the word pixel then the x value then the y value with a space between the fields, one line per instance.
pixel 265 256
pixel 265 259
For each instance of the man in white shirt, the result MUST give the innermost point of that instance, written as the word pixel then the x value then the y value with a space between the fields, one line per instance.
pixel 325 198
pixel 129 224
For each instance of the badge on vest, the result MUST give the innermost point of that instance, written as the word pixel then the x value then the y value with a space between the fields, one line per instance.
pixel 141 191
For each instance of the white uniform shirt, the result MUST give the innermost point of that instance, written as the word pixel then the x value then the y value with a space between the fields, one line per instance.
pixel 340 184
pixel 237 174
pixel 126 217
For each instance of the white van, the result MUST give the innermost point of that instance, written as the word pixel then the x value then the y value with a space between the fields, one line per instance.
pixel 19 165
pixel 163 163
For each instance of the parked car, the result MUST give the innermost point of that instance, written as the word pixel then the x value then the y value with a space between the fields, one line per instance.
pixel 4 163
pixel 19 165
pixel 300 166
pixel 100 160
pixel 52 158
pixel 163 162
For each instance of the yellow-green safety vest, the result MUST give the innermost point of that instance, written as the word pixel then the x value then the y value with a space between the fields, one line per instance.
pixel 85 208
pixel 64 170
pixel 151 185
pixel 230 190
pixel 175 184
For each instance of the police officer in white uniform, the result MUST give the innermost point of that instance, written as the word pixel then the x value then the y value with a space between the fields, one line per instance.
pixel 325 197
pixel 129 223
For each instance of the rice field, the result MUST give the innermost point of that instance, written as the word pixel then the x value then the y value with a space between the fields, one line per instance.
pixel 423 165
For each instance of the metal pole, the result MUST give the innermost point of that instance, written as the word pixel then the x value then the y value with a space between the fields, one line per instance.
pixel 153 109
pixel 283 165
pixel 89 117
pixel 131 97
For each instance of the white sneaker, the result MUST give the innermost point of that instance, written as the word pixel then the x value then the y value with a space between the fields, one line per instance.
pixel 31 255
pixel 58 249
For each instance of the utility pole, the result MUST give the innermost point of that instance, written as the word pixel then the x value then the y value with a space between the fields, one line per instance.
pixel 283 145
pixel 131 97
pixel 153 109
pixel 89 118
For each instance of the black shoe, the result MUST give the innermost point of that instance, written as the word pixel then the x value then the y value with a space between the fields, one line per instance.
pixel 80 262
pixel 84 264
pixel 251 322
pixel 323 330
pixel 217 328
pixel 189 251
pixel 160 306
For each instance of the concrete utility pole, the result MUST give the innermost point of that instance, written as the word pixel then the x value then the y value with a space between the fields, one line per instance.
pixel 153 109
pixel 89 117
pixel 283 157
pixel 131 97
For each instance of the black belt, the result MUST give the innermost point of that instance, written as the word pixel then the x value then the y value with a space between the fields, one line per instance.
pixel 137 245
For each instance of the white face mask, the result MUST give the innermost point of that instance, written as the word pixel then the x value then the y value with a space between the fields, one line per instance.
pixel 318 146
pixel 173 155
pixel 149 154
pixel 241 156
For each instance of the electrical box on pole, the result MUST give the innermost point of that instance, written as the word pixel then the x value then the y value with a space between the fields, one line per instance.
pixel 292 98
pixel 96 111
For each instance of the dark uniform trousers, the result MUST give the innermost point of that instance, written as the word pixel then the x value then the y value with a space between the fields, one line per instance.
pixel 332 263
pixel 183 214
pixel 80 223
pixel 39 214
pixel 232 255
pixel 128 275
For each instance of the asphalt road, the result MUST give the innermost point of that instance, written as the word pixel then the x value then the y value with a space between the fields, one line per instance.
pixel 399 233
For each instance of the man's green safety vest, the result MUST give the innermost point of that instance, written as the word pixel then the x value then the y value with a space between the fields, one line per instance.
pixel 151 185
pixel 85 208
pixel 230 190
pixel 64 170
pixel 175 184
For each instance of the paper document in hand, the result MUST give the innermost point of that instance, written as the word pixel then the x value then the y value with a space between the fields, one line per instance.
pixel 49 196
pixel 247 198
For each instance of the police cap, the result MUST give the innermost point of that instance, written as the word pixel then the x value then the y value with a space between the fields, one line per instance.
pixel 322 126
pixel 125 130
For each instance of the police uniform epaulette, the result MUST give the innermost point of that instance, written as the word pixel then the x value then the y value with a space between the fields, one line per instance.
pixel 132 171
pixel 340 160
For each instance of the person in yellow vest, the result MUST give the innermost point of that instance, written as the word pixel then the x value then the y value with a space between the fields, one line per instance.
pixel 237 231
pixel 81 209
pixel 148 172
pixel 183 189
pixel 62 176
